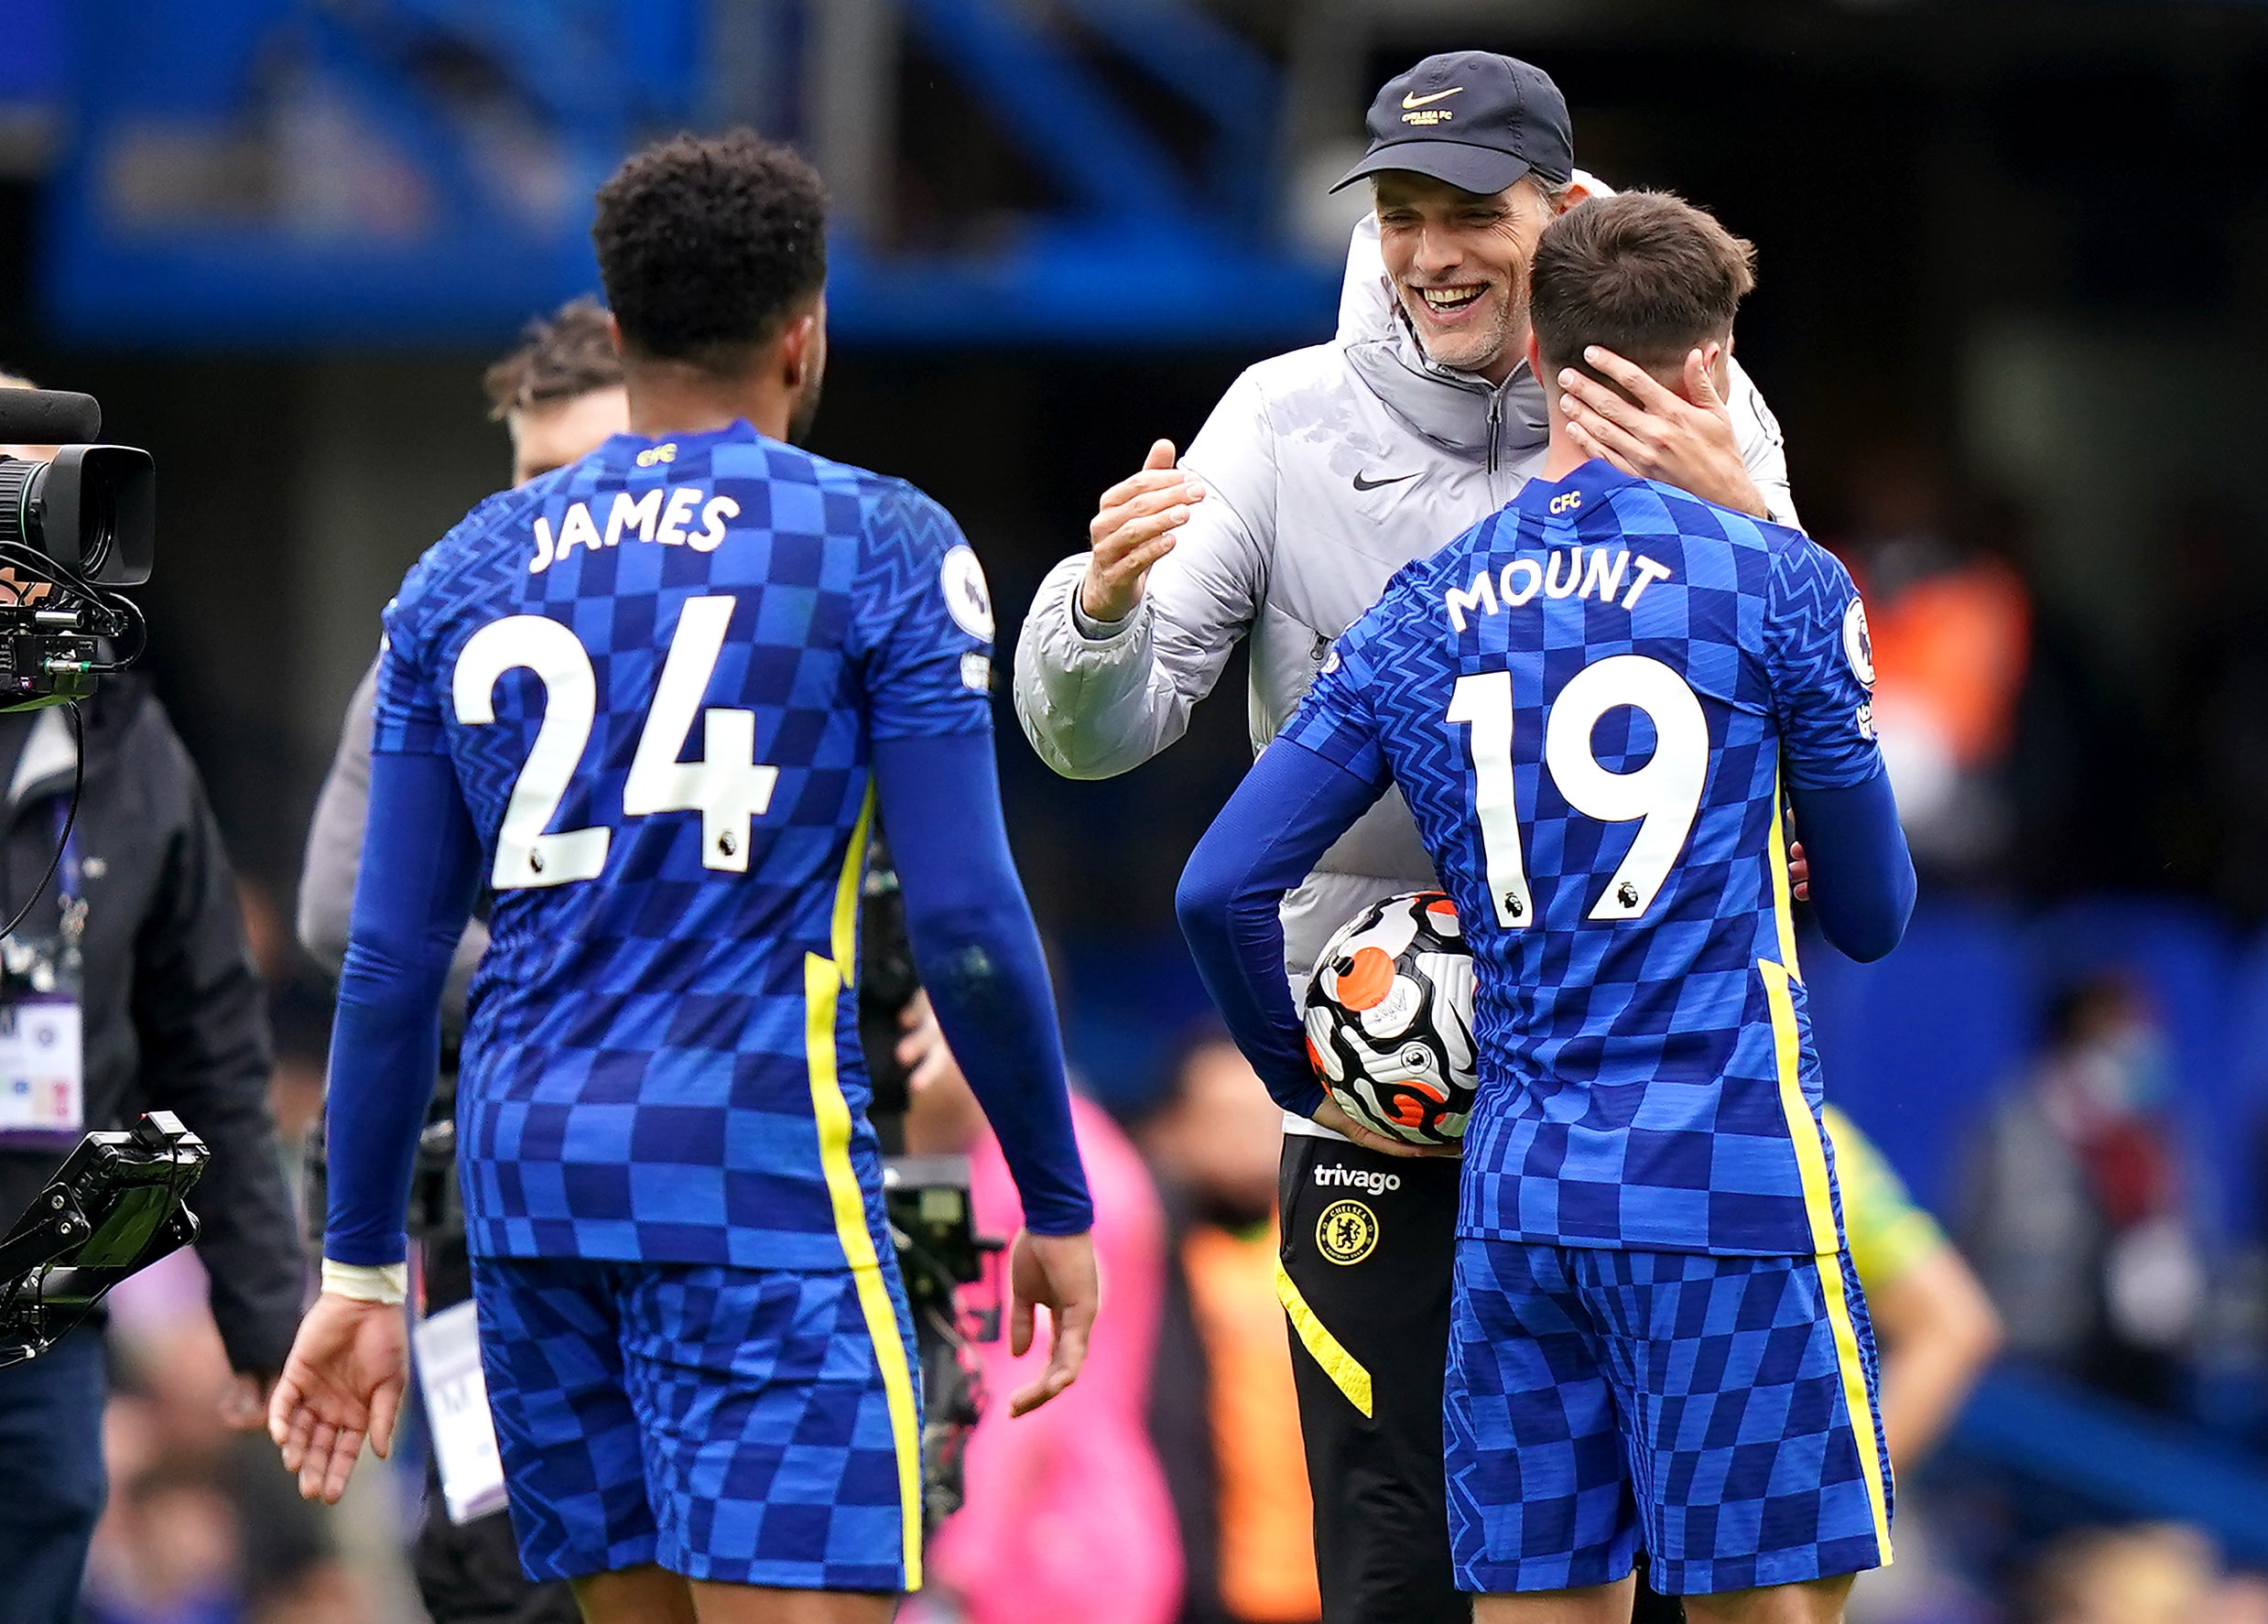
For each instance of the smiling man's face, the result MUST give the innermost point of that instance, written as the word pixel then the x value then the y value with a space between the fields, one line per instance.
pixel 1459 260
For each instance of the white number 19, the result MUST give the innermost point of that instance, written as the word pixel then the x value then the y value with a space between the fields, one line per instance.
pixel 1662 797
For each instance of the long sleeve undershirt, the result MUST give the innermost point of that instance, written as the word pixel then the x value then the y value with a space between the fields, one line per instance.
pixel 421 866
pixel 1291 806
pixel 978 957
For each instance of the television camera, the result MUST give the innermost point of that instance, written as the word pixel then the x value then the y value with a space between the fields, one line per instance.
pixel 926 1199
pixel 72 526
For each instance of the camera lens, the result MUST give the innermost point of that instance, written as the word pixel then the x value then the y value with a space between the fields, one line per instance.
pixel 93 510
pixel 19 479
pixel 98 527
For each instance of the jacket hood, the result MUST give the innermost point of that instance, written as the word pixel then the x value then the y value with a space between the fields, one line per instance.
pixel 1451 408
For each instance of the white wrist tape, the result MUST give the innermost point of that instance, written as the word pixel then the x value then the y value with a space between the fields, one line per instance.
pixel 368 1282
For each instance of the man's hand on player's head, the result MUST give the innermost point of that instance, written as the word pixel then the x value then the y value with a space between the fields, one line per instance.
pixel 1332 1115
pixel 341 1383
pixel 1687 443
pixel 1131 530
pixel 1056 1272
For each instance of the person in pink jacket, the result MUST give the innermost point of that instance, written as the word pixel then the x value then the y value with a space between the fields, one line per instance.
pixel 1068 1515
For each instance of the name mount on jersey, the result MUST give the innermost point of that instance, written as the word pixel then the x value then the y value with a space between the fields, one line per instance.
pixel 1564 573
pixel 662 514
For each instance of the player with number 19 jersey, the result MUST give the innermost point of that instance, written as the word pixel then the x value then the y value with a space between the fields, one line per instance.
pixel 1596 702
pixel 1590 700
pixel 638 1079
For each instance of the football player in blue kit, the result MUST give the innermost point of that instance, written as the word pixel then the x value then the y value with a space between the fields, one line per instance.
pixel 655 700
pixel 1597 703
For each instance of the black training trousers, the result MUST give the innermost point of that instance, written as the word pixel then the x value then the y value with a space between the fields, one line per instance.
pixel 1369 1240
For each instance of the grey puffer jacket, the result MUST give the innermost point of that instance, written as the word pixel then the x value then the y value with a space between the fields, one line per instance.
pixel 1326 471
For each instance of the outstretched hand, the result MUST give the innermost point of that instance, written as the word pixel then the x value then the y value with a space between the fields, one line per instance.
pixel 343 1382
pixel 1056 1272
pixel 1685 441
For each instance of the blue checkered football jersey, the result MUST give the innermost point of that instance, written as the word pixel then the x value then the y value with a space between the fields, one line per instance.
pixel 647 1070
pixel 1589 700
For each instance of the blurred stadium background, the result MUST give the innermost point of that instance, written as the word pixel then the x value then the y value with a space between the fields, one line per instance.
pixel 2013 315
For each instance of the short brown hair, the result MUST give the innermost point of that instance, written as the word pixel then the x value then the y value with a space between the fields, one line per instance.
pixel 1645 274
pixel 565 354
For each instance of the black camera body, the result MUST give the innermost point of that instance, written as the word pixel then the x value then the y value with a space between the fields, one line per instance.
pixel 933 1231
pixel 73 527
pixel 932 1223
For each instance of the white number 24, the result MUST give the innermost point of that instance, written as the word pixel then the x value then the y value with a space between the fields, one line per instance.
pixel 1665 794
pixel 727 785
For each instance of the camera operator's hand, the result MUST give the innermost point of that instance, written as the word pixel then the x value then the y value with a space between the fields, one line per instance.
pixel 342 1383
pixel 1056 1271
pixel 243 1403
pixel 923 1052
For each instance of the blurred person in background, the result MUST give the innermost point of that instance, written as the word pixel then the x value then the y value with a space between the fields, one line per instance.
pixel 1950 630
pixel 198 1520
pixel 1935 1328
pixel 1223 1408
pixel 559 396
pixel 1935 1334
pixel 1068 1514
pixel 2073 1211
pixel 2151 1572
pixel 1319 475
pixel 138 924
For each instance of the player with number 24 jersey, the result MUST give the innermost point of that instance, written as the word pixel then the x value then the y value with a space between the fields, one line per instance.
pixel 658 700
pixel 635 1081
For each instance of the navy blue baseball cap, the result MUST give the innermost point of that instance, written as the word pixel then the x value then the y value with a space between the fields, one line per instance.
pixel 1472 118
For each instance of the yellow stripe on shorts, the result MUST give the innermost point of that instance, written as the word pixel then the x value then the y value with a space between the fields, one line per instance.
pixel 1345 1370
pixel 1803 1130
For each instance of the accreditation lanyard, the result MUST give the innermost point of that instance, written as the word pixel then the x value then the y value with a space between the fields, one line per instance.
pixel 42 1036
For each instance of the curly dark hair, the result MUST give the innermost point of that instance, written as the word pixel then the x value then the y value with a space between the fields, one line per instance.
pixel 706 243
pixel 561 356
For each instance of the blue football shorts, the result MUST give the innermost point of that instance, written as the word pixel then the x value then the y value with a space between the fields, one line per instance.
pixel 747 1425
pixel 1719 1410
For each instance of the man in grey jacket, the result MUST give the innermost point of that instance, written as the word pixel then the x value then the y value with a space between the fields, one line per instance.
pixel 1319 475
